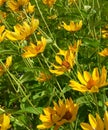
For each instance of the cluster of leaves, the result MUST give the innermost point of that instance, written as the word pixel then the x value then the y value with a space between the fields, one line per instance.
pixel 21 93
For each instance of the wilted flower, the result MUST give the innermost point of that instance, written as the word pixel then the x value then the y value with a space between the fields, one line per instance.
pixel 2 33
pixel 43 77
pixel 104 52
pixel 58 115
pixel 69 59
pixel 32 50
pixel 72 27
pixel 96 123
pixel 23 31
pixel 16 5
pixel 7 65
pixel 4 122
pixel 88 82
pixel 49 2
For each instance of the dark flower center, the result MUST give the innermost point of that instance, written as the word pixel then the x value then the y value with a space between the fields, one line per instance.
pixel 67 115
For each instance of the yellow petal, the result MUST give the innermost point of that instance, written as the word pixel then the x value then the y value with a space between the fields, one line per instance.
pixel 6 122
pixel 95 74
pixel 106 120
pixel 103 76
pixel 77 86
pixel 87 76
pixel 86 126
pixel 8 61
pixel 81 79
pixel 92 121
pixel 58 60
pixel 57 72
pixel 100 124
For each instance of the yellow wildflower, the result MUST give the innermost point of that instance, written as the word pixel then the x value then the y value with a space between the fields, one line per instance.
pixel 88 82
pixel 104 52
pixel 96 123
pixel 49 2
pixel 43 77
pixel 33 50
pixel 7 65
pixel 2 33
pixel 16 5
pixel 23 31
pixel 58 115
pixel 72 27
pixel 69 59
pixel 4 122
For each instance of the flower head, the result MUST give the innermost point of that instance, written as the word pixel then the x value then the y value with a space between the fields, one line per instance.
pixel 49 2
pixel 88 82
pixel 4 122
pixel 96 123
pixel 104 52
pixel 6 65
pixel 32 50
pixel 16 5
pixel 23 31
pixel 69 59
pixel 72 27
pixel 58 115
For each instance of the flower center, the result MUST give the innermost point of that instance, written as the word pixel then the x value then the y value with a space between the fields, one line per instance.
pixel 66 64
pixel 67 115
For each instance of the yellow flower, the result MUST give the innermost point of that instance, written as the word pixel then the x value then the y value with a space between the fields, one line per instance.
pixel 2 33
pixel 104 33
pixel 104 52
pixel 69 59
pixel 30 8
pixel 2 2
pixel 72 27
pixel 88 82
pixel 49 2
pixel 58 115
pixel 43 77
pixel 4 122
pixel 7 65
pixel 96 123
pixel 33 50
pixel 23 31
pixel 16 5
